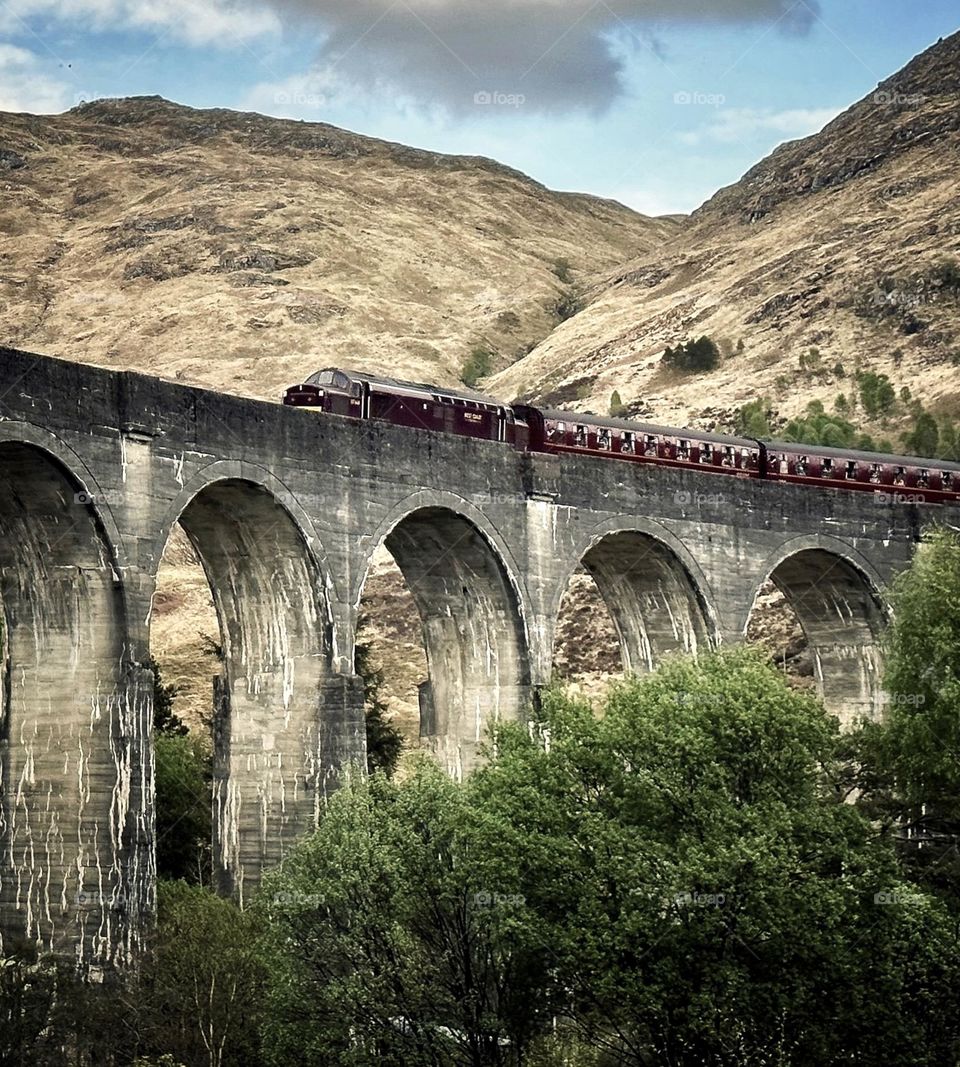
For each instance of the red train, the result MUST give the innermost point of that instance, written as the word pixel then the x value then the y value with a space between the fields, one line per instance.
pixel 461 411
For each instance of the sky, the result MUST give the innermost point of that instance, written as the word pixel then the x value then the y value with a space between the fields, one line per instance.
pixel 655 103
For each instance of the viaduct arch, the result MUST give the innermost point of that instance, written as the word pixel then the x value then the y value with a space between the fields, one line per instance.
pixel 285 509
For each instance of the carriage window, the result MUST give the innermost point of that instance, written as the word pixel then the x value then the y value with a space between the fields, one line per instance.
pixel 923 478
pixel 899 476
pixel 826 468
pixel 875 473
pixel 744 457
pixel 551 430
pixel 706 453
pixel 649 446
pixel 626 442
pixel 683 452
pixel 851 468
pixel 582 436
pixel 561 427
pixel 728 457
pixel 946 480
pixel 801 465
pixel 603 440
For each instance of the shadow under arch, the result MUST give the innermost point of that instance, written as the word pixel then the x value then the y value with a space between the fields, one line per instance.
pixel 76 779
pixel 835 594
pixel 656 594
pixel 472 621
pixel 279 710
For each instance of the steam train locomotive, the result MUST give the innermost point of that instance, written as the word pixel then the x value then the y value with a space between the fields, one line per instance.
pixel 908 479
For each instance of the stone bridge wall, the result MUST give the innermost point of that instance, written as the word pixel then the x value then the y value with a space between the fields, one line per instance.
pixel 285 508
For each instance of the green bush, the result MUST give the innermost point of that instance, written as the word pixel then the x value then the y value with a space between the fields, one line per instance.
pixel 700 355
pixel 476 366
pixel 618 410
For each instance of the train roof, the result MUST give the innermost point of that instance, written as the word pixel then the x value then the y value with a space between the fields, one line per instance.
pixel 866 457
pixel 648 427
pixel 461 392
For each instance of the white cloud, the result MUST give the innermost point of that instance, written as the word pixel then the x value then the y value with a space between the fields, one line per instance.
pixel 193 22
pixel 25 87
pixel 742 124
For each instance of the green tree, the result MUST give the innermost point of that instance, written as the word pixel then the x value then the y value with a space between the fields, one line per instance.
pixel 164 719
pixel 394 935
pixel 913 773
pixel 700 355
pixel 183 807
pixel 202 992
pixel 618 409
pixel 384 740
pixel 877 394
pixel 753 419
pixel 924 438
pixel 706 895
pixel 476 366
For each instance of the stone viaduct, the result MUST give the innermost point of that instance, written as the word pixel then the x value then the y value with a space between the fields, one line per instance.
pixel 285 509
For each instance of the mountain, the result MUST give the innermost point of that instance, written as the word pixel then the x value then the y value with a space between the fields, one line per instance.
pixel 238 252
pixel 830 256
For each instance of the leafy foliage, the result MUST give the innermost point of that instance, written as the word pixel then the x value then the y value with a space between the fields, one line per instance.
pixel 618 409
pixel 877 394
pixel 183 807
pixel 677 881
pixel 202 991
pixel 700 355
pixel 912 776
pixel 476 366
pixel 384 740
